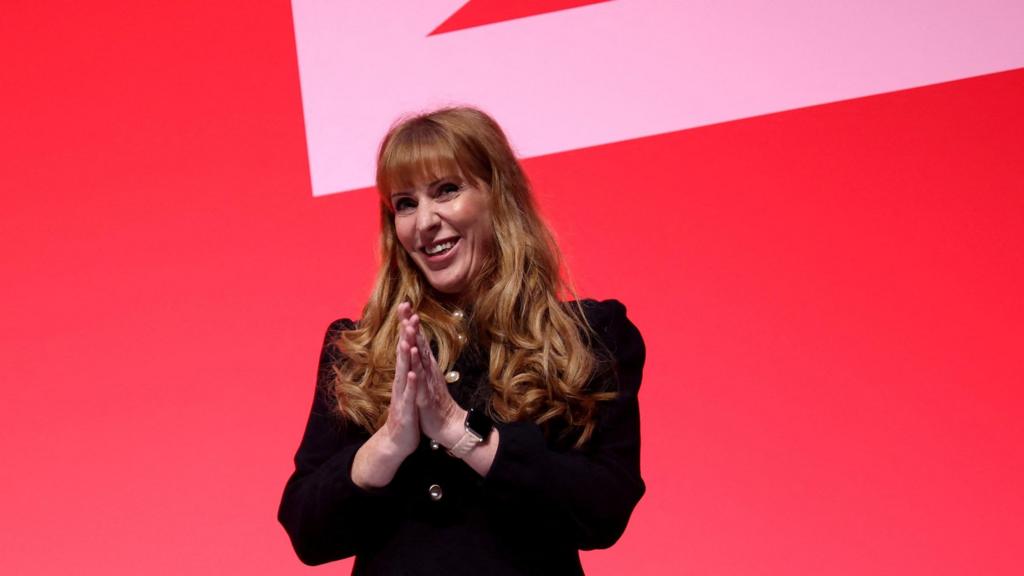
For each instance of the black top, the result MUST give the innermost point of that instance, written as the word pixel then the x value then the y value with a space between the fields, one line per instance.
pixel 541 502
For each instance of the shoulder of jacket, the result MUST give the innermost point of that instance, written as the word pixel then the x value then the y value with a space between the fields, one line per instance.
pixel 330 353
pixel 613 330
pixel 340 325
pixel 605 318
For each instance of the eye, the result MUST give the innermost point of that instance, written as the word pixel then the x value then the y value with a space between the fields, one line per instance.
pixel 404 204
pixel 448 188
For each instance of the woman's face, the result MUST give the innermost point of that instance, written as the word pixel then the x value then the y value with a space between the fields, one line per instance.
pixel 445 226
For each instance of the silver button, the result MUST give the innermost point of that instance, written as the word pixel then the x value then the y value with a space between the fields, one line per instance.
pixel 435 492
pixel 434 445
pixel 452 376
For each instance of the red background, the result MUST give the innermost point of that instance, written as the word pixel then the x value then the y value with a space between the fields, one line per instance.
pixel 830 296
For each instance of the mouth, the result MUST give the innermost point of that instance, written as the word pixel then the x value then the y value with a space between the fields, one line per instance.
pixel 439 248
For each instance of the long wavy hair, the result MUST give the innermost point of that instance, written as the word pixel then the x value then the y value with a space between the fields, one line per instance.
pixel 540 349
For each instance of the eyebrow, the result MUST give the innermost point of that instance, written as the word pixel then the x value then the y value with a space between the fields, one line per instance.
pixel 430 185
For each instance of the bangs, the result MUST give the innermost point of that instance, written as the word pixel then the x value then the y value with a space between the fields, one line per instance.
pixel 414 157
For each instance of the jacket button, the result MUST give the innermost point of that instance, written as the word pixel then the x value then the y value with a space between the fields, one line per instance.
pixel 452 376
pixel 435 492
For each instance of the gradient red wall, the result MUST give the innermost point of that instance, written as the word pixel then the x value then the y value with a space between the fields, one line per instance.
pixel 830 296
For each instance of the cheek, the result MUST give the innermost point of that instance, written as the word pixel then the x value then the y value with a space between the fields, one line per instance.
pixel 485 229
pixel 476 217
pixel 406 235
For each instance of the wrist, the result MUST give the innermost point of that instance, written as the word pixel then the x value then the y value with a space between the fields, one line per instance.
pixel 386 450
pixel 453 429
pixel 375 463
pixel 476 431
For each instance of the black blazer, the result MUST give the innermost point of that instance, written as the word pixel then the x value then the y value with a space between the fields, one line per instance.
pixel 541 502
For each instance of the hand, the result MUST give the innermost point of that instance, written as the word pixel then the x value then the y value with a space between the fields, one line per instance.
pixel 402 428
pixel 440 417
pixel 377 461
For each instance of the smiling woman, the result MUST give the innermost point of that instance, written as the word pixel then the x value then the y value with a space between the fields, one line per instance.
pixel 445 226
pixel 471 422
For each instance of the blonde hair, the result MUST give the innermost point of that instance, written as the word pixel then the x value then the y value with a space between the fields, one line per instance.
pixel 540 348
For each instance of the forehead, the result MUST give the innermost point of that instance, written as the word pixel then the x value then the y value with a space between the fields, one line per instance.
pixel 414 161
pixel 415 177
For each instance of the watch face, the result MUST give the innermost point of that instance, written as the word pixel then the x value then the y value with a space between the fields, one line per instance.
pixel 479 423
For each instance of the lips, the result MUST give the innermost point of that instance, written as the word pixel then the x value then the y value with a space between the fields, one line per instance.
pixel 446 248
pixel 439 246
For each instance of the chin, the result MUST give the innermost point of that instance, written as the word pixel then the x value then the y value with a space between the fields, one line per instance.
pixel 449 289
pixel 447 286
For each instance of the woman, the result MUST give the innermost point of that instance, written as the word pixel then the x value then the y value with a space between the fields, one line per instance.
pixel 471 422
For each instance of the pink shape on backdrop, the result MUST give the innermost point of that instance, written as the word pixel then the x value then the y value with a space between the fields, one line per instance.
pixel 483 12
pixel 619 70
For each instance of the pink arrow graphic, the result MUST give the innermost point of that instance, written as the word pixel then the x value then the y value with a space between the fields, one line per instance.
pixel 614 71
pixel 481 12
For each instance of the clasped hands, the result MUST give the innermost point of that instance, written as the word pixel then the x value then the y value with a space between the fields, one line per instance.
pixel 420 404
pixel 420 401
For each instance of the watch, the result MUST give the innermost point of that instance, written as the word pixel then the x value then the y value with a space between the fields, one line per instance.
pixel 478 428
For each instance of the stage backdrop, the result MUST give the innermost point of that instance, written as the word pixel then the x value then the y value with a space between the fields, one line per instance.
pixel 815 215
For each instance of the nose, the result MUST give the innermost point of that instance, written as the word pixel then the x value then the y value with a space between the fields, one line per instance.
pixel 427 219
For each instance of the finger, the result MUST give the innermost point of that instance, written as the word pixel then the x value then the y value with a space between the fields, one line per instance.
pixel 404 311
pixel 412 385
pixel 430 368
pixel 405 333
pixel 420 341
pixel 434 368
pixel 424 389
pixel 401 369
pixel 415 363
pixel 426 354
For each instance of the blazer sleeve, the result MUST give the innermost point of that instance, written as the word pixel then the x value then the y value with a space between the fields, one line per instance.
pixel 591 491
pixel 324 513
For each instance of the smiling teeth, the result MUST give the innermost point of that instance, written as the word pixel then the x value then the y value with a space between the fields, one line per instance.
pixel 438 248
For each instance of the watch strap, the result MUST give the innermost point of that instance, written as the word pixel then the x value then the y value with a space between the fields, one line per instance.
pixel 478 429
pixel 465 444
